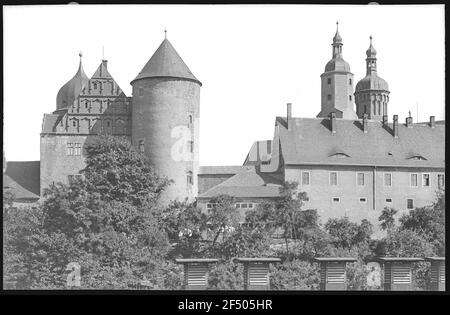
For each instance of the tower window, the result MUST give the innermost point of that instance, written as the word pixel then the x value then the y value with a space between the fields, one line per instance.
pixel 349 97
pixel 189 178
pixel 329 80
pixel 191 119
pixel 141 146
pixel 141 92
pixel 350 81
pixel 329 97
pixel 410 204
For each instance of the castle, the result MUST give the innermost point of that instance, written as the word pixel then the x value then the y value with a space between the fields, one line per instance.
pixel 350 162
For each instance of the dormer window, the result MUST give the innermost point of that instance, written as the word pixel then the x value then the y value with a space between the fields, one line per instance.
pixel 417 158
pixel 340 155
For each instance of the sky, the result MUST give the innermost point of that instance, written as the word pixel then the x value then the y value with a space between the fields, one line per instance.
pixel 251 60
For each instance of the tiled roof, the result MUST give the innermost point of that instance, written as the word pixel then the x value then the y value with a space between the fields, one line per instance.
pixel 102 71
pixel 166 62
pixel 310 141
pixel 246 184
pixel 26 174
pixel 224 170
pixel 20 193
pixel 70 91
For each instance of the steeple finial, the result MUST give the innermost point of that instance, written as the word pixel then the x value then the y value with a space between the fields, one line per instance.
pixel 80 54
pixel 103 52
pixel 370 40
pixel 165 33
pixel 337 26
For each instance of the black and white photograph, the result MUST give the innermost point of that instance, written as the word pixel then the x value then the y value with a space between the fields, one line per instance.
pixel 264 148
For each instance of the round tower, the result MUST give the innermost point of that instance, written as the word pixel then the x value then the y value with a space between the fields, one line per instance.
pixel 337 84
pixel 165 120
pixel 372 92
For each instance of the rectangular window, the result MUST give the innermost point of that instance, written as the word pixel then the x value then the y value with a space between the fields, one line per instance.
pixel 413 181
pixel 336 199
pixel 69 148
pixel 441 181
pixel 360 179
pixel 333 178
pixel 388 200
pixel 363 200
pixel 387 179
pixel 141 146
pixel 189 178
pixel 329 81
pixel 425 180
pixel 305 178
pixel 77 150
pixel 349 97
pixel 210 206
pixel 410 204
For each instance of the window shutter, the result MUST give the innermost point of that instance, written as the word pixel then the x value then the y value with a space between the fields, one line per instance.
pixel 336 273
pixel 196 274
pixel 401 274
pixel 442 273
pixel 258 274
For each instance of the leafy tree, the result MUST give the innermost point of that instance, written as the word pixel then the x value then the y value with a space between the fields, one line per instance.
pixel 223 218
pixel 347 234
pixel 294 275
pixel 428 222
pixel 387 219
pixel 228 275
pixel 116 171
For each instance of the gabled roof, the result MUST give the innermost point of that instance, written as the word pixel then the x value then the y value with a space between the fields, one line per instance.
pixel 102 71
pixel 308 141
pixel 166 62
pixel 246 184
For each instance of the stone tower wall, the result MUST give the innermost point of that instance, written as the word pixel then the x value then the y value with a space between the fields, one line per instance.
pixel 161 117
pixel 340 89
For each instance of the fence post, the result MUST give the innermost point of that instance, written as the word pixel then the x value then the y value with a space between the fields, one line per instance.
pixel 196 272
pixel 256 272
pixel 437 273
pixel 333 275
pixel 398 273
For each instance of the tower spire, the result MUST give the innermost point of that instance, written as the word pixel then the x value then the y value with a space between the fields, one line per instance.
pixel 337 42
pixel 165 33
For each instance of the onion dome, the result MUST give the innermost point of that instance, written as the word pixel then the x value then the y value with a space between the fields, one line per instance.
pixel 371 52
pixel 337 37
pixel 372 82
pixel 70 91
pixel 166 62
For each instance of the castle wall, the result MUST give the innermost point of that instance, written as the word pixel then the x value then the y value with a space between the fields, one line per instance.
pixel 161 117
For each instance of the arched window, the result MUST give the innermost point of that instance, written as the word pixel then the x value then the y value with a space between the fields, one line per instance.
pixel 350 81
pixel 329 97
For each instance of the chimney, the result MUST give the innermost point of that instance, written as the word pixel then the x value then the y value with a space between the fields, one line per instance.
pixel 385 119
pixel 365 124
pixel 333 122
pixel 409 121
pixel 432 122
pixel 395 126
pixel 289 115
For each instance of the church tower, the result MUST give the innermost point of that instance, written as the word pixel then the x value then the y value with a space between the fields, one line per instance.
pixel 337 84
pixel 165 120
pixel 372 92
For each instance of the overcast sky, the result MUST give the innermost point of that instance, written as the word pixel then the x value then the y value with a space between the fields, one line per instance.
pixel 252 60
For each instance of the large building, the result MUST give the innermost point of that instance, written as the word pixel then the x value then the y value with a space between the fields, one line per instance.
pixel 350 160
pixel 350 163
pixel 161 119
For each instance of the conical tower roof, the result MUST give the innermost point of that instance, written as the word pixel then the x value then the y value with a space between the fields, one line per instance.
pixel 166 62
pixel 70 91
